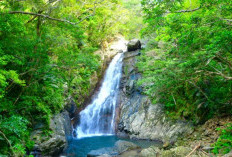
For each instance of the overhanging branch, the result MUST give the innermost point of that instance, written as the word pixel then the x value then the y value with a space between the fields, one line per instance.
pixel 8 142
pixel 185 11
pixel 229 20
pixel 50 18
pixel 56 19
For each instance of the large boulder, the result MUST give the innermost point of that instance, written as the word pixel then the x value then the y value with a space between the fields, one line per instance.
pixel 152 151
pixel 122 146
pixel 54 143
pixel 133 45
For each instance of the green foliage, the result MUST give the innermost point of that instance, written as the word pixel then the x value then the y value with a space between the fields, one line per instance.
pixel 224 142
pixel 15 128
pixel 187 65
pixel 44 61
pixel 132 19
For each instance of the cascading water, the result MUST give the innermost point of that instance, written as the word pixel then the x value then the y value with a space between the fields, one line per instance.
pixel 98 118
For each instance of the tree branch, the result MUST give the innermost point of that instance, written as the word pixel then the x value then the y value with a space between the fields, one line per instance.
pixel 55 19
pixel 4 136
pixel 196 147
pixel 229 20
pixel 51 18
pixel 224 60
pixel 200 90
pixel 185 11
pixel 220 74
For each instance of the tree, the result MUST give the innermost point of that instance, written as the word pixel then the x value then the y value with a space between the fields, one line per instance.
pixel 191 74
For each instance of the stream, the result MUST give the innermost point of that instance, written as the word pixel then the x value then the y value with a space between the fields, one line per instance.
pixel 81 147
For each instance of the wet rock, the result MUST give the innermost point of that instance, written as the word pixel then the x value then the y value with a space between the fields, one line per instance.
pixel 103 151
pixel 133 45
pixel 119 147
pixel 105 155
pixel 122 146
pixel 123 134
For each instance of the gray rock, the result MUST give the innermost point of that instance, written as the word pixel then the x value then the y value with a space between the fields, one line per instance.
pixel 119 147
pixel 180 151
pixel 53 145
pixel 176 152
pixel 122 146
pixel 103 151
pixel 61 124
pixel 228 154
pixel 133 45
pixel 150 152
pixel 207 148
pixel 122 135
pixel 139 118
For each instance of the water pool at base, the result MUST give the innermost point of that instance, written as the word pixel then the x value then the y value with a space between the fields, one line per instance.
pixel 81 147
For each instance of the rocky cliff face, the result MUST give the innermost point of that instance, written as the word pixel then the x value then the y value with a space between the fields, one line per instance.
pixel 139 118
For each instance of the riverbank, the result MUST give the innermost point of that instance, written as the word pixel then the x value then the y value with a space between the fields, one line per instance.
pixel 198 144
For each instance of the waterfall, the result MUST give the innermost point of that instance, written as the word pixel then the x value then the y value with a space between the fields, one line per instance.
pixel 98 118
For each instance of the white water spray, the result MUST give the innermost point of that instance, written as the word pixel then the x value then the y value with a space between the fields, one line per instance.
pixel 98 118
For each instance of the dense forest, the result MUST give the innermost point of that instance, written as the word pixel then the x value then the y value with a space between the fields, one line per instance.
pixel 45 48
pixel 47 54
pixel 188 62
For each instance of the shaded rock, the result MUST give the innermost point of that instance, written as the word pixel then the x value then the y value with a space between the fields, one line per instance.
pixel 122 135
pixel 133 45
pixel 71 107
pixel 52 144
